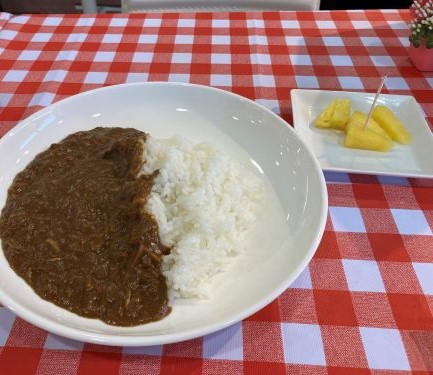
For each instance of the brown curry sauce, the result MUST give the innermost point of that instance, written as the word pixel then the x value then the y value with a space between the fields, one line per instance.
pixel 74 228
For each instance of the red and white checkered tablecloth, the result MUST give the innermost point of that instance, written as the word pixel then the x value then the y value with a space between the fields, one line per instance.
pixel 364 305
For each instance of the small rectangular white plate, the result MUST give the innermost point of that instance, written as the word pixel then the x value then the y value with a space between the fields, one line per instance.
pixel 412 160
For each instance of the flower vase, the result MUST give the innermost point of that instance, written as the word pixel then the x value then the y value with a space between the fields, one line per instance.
pixel 422 57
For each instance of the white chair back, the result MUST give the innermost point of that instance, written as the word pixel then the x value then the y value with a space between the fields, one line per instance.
pixel 129 6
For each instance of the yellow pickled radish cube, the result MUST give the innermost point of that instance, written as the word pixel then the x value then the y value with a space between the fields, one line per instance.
pixel 366 139
pixel 341 114
pixel 358 119
pixel 391 124
pixel 324 119
pixel 335 115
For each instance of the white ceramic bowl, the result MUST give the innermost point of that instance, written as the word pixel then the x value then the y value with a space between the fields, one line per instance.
pixel 290 227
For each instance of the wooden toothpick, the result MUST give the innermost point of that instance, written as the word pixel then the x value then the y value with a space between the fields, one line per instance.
pixel 374 101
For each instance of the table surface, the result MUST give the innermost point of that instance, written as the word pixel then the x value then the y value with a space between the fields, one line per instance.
pixel 364 305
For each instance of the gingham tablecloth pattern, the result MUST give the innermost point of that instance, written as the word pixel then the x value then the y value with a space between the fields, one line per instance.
pixel 364 305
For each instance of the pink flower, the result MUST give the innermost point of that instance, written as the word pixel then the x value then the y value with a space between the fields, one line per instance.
pixel 420 9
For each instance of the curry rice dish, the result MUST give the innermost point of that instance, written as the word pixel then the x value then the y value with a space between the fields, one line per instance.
pixel 90 225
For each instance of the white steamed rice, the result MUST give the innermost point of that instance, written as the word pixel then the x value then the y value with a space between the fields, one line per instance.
pixel 204 202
